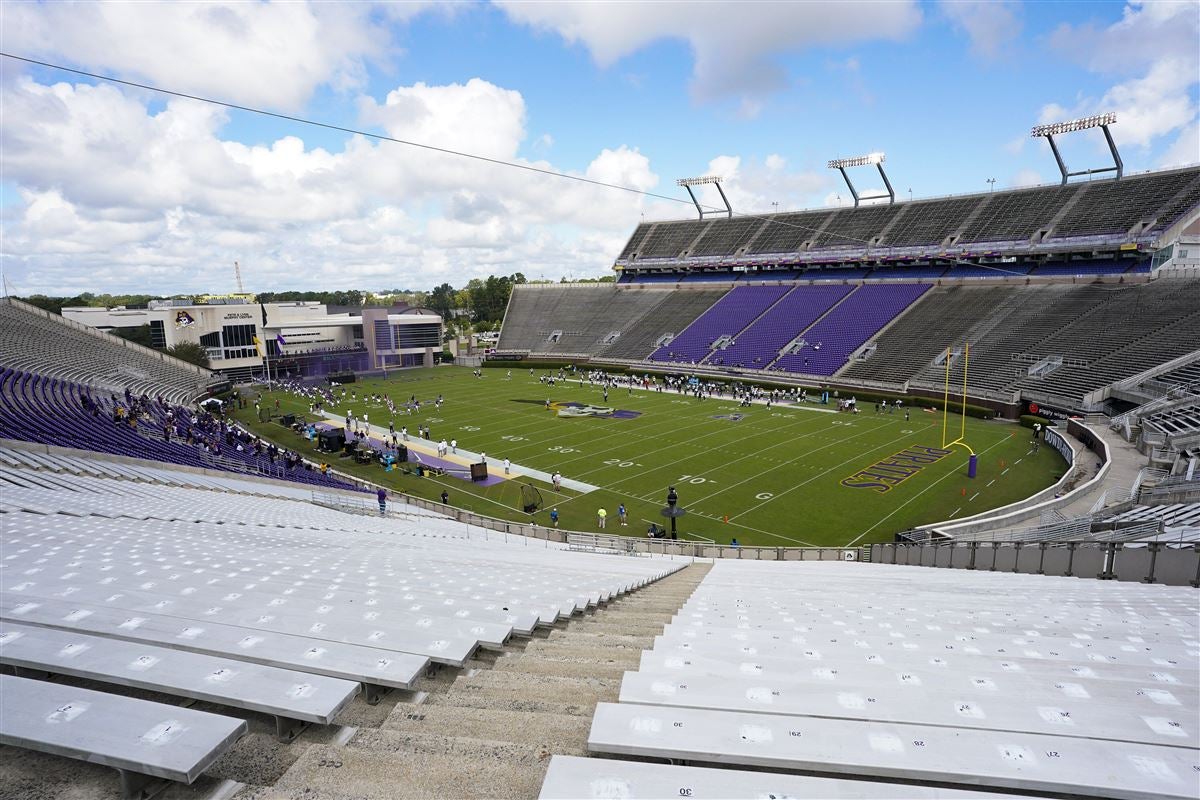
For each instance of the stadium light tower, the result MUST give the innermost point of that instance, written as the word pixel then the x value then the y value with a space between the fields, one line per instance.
pixel 841 164
pixel 1101 121
pixel 688 183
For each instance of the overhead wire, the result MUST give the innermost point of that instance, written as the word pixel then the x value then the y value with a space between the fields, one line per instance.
pixel 772 219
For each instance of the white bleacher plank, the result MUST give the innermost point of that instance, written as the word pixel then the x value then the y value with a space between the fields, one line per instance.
pixel 162 741
pixel 374 666
pixel 1075 715
pixel 268 690
pixel 444 646
pixel 954 756
pixel 576 778
pixel 1107 681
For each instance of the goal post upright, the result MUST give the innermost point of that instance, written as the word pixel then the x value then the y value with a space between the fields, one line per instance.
pixel 961 441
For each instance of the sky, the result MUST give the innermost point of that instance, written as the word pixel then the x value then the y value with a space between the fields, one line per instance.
pixel 112 189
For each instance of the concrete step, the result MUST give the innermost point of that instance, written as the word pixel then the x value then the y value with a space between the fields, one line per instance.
pixel 517 727
pixel 501 702
pixel 537 687
pixel 601 655
pixel 532 665
pixel 546 683
pixel 384 764
pixel 603 639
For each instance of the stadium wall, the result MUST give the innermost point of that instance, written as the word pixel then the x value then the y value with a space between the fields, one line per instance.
pixel 1148 562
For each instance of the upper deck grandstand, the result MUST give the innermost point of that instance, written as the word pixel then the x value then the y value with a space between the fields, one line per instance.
pixel 1051 288
pixel 1037 222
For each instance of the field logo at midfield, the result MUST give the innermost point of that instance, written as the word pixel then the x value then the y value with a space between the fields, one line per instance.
pixel 731 417
pixel 896 468
pixel 573 409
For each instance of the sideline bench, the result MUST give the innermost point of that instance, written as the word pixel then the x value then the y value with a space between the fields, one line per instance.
pixel 294 699
pixel 147 743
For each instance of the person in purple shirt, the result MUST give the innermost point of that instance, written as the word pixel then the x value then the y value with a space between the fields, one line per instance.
pixel 382 495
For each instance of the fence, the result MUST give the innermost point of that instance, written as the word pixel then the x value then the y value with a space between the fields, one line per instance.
pixel 1145 562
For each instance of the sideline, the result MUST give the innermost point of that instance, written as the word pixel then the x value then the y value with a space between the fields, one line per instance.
pixel 467 457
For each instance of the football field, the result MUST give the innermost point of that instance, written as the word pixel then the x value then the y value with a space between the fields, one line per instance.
pixel 785 476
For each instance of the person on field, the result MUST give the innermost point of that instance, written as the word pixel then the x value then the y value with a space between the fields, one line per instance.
pixel 601 517
pixel 554 517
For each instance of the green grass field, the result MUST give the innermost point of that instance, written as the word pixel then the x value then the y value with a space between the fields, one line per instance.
pixel 771 478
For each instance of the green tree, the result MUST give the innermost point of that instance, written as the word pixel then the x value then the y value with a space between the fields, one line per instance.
pixel 190 352
pixel 138 335
pixel 442 300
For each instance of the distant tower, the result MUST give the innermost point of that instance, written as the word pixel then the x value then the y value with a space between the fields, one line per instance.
pixel 237 273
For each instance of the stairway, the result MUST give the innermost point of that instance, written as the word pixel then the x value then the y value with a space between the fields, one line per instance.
pixel 489 729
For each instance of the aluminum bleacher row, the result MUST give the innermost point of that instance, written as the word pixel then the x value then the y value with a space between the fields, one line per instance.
pixel 34 408
pixel 1136 206
pixel 36 341
pixel 949 679
pixel 1180 520
pixel 244 596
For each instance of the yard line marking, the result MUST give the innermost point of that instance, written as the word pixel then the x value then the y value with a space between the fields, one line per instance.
pixel 972 497
pixel 955 512
pixel 1004 471
pixel 914 497
pixel 989 483
pixel 1018 461
pixel 819 474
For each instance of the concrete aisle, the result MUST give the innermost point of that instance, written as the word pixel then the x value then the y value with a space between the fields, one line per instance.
pixel 488 730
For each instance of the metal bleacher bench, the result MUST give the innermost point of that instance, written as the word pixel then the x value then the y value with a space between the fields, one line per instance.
pixel 295 699
pixel 377 670
pixel 161 742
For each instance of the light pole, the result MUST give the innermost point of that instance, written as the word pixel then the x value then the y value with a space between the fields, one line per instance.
pixel 775 205
pixel 992 183
pixel 910 194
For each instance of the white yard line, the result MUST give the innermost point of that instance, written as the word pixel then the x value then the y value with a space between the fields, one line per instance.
pixel 914 497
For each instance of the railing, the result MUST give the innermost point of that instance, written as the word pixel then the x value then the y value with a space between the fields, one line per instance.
pixel 1169 563
pixel 602 543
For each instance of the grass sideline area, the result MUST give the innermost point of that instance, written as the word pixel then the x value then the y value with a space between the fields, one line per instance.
pixel 787 476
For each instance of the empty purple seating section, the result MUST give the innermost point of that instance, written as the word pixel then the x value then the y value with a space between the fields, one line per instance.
pixel 843 330
pixel 34 408
pixel 726 317
pixel 759 344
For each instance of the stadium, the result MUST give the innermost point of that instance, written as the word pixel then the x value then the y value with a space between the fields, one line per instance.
pixel 894 498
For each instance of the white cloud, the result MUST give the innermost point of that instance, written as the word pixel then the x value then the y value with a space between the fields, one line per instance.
pixel 274 54
pixel 733 43
pixel 1153 50
pixel 116 197
pixel 1185 150
pixel 754 187
pixel 1026 177
pixel 990 24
